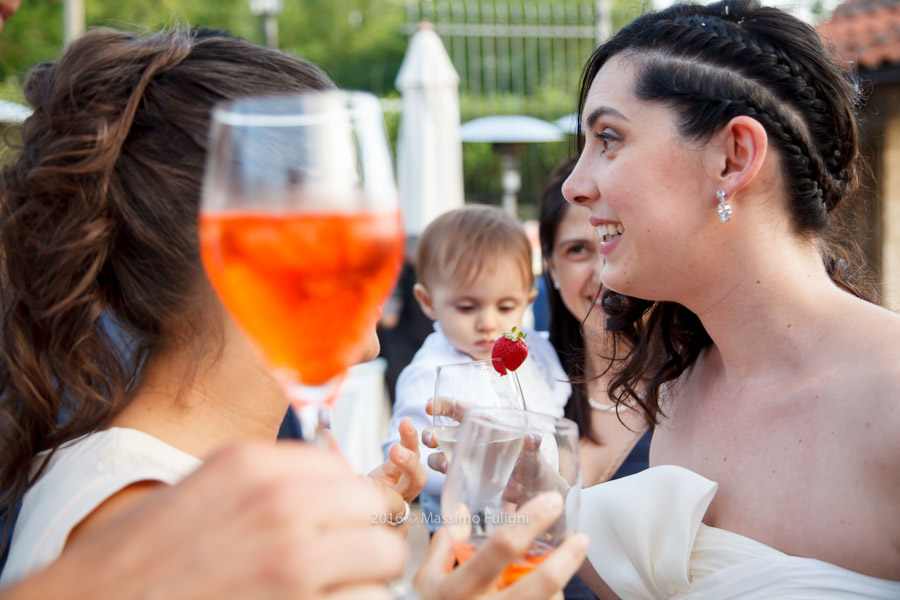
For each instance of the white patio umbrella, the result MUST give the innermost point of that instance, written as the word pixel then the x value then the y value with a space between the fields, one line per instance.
pixel 568 123
pixel 509 134
pixel 11 112
pixel 429 150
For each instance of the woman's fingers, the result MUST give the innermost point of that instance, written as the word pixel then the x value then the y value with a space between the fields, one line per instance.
pixel 397 508
pixel 553 574
pixel 345 557
pixel 447 407
pixel 280 519
pixel 328 503
pixel 438 561
pixel 330 440
pixel 502 548
pixel 438 462
pixel 428 437
pixel 506 544
pixel 366 592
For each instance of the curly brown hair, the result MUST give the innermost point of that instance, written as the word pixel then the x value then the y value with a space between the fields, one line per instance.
pixel 100 260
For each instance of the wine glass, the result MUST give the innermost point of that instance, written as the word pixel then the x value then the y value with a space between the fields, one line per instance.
pixel 504 458
pixel 300 233
pixel 459 387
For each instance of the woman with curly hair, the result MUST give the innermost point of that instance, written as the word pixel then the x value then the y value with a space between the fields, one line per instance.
pixel 121 372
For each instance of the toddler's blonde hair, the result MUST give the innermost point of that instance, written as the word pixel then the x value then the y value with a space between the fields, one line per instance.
pixel 460 243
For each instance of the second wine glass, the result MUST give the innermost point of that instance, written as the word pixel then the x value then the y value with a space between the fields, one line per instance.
pixel 462 386
pixel 300 233
pixel 503 459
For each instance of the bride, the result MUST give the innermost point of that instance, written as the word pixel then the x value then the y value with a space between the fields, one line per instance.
pixel 720 149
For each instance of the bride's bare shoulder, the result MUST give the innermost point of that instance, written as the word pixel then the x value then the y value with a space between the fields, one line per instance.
pixel 861 345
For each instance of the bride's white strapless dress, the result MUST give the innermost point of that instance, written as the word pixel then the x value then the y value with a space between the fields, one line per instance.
pixel 648 542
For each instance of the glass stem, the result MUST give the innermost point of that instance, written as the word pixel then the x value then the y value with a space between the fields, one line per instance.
pixel 314 419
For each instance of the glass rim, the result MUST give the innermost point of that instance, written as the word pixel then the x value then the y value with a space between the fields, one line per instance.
pixel 481 361
pixel 225 112
pixel 482 414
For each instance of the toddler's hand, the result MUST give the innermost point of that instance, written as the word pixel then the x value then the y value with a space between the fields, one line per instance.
pixel 402 472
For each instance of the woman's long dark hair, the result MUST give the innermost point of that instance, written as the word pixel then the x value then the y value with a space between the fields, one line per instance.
pixel 98 225
pixel 565 330
pixel 710 64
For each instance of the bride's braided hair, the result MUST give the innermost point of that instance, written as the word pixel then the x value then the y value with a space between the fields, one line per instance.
pixel 710 64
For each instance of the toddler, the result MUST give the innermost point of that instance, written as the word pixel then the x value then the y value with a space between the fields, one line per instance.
pixel 475 281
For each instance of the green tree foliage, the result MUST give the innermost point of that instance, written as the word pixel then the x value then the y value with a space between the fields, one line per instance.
pixel 357 41
pixel 360 43
pixel 32 35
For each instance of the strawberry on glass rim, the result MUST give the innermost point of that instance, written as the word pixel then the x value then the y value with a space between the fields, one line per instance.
pixel 509 351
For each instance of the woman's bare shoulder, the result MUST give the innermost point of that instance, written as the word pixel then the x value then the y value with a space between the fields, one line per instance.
pixel 875 333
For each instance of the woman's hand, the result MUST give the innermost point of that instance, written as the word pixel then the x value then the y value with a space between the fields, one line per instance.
pixel 533 472
pixel 256 521
pixel 436 579
pixel 437 460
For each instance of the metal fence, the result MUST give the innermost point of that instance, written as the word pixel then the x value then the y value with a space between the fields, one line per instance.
pixel 514 57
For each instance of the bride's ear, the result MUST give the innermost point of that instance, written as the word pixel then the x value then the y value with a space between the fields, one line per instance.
pixel 741 147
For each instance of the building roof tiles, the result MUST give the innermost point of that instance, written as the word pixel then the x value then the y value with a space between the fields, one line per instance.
pixel 865 32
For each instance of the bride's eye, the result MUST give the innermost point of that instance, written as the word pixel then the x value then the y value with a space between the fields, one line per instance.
pixel 607 140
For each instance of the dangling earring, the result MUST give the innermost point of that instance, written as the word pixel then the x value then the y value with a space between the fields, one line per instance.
pixel 555 284
pixel 724 208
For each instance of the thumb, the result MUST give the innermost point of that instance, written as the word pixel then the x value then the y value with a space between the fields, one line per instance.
pixel 329 441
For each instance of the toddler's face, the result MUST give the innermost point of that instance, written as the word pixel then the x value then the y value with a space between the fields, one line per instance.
pixel 473 315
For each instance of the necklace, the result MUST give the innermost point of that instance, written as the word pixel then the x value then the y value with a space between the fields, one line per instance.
pixel 610 407
pixel 617 462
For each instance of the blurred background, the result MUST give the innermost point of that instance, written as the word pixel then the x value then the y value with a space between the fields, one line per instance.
pixel 513 57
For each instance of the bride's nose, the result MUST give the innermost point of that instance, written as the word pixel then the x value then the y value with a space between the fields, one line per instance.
pixel 579 188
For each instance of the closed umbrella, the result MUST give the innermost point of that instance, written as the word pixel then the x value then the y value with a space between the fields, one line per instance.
pixel 429 150
pixel 10 112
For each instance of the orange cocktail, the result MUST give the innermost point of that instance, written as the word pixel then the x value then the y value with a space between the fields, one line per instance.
pixel 306 287
pixel 525 564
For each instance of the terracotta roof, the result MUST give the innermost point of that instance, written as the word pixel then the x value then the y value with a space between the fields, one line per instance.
pixel 865 32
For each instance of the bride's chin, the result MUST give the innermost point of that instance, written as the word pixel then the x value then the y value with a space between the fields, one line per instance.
pixel 612 282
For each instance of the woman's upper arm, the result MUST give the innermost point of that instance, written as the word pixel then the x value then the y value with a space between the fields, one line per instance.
pixel 113 506
pixel 589 576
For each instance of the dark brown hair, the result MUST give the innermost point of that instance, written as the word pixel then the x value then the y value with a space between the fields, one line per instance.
pixel 458 244
pixel 98 224
pixel 565 329
pixel 710 64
